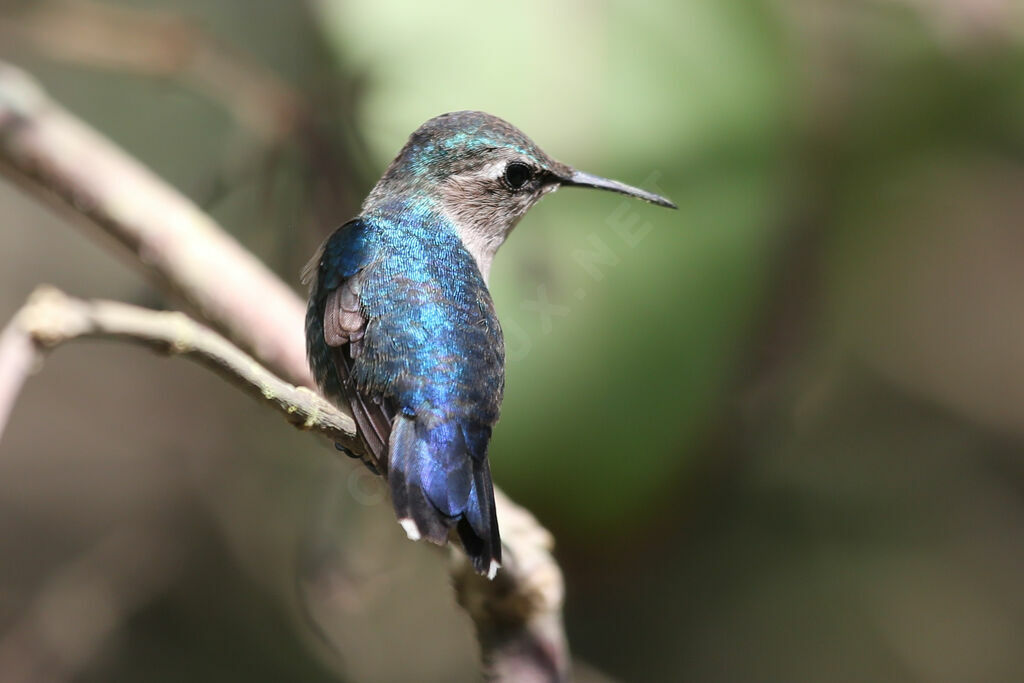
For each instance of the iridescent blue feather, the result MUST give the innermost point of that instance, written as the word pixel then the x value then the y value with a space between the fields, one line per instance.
pixel 431 359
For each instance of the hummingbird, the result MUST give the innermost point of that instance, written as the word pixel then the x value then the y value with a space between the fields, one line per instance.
pixel 401 326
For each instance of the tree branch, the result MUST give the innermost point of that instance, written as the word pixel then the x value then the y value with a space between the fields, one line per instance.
pixel 51 318
pixel 58 158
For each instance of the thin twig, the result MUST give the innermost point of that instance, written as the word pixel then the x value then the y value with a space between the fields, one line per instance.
pixel 51 318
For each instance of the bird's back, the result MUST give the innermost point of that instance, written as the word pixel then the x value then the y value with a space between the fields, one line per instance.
pixel 433 342
pixel 425 377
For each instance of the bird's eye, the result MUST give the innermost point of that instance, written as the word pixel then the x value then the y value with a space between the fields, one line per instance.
pixel 517 174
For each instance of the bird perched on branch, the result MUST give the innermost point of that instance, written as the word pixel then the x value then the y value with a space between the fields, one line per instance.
pixel 401 326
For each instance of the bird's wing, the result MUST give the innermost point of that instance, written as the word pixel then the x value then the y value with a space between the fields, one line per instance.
pixel 343 331
pixel 336 323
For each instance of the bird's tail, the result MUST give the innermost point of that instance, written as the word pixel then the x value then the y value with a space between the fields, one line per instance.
pixel 440 479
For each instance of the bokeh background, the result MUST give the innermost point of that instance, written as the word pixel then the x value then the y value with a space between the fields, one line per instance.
pixel 777 433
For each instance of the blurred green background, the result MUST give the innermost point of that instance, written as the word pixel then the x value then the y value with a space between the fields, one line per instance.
pixel 777 433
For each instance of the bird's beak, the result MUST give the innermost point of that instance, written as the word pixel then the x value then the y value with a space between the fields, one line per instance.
pixel 581 179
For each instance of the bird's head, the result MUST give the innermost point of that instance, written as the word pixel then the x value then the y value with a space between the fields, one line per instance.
pixel 485 174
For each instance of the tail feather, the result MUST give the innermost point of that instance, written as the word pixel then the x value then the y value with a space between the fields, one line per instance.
pixel 436 485
pixel 407 494
pixel 479 527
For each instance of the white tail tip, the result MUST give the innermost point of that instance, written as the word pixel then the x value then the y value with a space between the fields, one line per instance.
pixel 411 530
